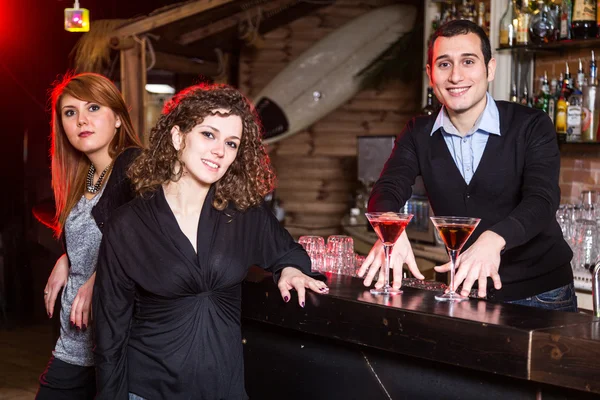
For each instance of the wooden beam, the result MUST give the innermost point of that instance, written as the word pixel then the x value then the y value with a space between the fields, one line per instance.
pixel 133 85
pixel 171 15
pixel 233 20
pixel 162 45
pixel 183 65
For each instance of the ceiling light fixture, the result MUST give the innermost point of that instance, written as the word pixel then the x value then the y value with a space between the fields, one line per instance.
pixel 77 19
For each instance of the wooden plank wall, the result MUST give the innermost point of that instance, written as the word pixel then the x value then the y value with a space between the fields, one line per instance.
pixel 316 168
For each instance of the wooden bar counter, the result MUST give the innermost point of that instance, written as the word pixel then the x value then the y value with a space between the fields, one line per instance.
pixel 519 351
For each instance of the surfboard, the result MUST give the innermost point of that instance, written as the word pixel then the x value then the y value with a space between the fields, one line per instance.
pixel 325 76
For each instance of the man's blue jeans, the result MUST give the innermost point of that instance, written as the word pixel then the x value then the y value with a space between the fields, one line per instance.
pixel 560 299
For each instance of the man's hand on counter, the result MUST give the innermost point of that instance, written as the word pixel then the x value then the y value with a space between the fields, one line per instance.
pixel 479 262
pixel 401 254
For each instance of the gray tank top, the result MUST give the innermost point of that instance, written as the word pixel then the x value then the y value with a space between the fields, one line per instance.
pixel 83 243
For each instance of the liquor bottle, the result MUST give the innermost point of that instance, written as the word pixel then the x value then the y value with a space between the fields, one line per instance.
pixel 524 17
pixel 591 115
pixel 598 15
pixel 513 93
pixel 580 76
pixel 566 10
pixel 555 7
pixel 481 15
pixel 560 122
pixel 542 28
pixel 569 80
pixel 574 113
pixel 542 101
pixel 429 107
pixel 561 78
pixel 584 24
pixel 552 99
pixel 508 30
pixel 525 99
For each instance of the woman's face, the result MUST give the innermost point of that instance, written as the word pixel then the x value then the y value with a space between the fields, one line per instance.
pixel 89 126
pixel 210 147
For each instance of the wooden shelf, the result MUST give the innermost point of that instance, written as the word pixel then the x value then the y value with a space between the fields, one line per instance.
pixel 555 46
pixel 583 147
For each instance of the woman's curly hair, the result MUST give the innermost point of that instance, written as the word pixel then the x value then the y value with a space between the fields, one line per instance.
pixel 249 178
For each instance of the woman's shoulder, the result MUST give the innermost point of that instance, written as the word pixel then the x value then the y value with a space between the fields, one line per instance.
pixel 126 216
pixel 126 158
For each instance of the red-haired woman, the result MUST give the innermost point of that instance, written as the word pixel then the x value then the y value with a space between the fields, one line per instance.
pixel 168 293
pixel 93 144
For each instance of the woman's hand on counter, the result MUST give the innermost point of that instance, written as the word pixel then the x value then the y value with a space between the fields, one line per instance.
pixel 401 254
pixel 293 278
pixel 477 263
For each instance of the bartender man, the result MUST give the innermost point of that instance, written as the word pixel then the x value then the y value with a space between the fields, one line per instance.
pixel 494 160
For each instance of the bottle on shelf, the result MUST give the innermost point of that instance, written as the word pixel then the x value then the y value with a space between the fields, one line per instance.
pixel 555 7
pixel 508 30
pixel 566 10
pixel 514 97
pixel 574 112
pixel 542 28
pixel 581 82
pixel 525 98
pixel 584 25
pixel 569 79
pixel 523 19
pixel 429 108
pixel 542 101
pixel 560 121
pixel 561 78
pixel 590 117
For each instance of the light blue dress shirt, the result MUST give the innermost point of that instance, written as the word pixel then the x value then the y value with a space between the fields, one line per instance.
pixel 468 150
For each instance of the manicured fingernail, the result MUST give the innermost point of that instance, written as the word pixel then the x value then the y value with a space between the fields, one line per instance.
pixel 72 324
pixel 302 304
pixel 49 315
pixel 78 328
pixel 84 327
pixel 286 299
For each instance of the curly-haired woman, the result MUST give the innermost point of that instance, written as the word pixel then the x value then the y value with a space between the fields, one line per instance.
pixel 168 292
pixel 93 144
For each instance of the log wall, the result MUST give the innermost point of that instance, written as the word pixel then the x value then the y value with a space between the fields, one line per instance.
pixel 317 168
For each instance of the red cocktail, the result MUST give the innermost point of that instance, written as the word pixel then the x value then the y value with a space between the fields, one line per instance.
pixel 454 231
pixel 388 226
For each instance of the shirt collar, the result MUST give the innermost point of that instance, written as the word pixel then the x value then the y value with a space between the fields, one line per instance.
pixel 488 121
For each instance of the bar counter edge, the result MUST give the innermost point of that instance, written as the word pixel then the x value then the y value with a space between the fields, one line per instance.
pixel 549 347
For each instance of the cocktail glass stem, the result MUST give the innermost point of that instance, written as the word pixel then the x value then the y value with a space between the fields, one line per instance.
pixel 453 255
pixel 451 295
pixel 387 288
pixel 387 250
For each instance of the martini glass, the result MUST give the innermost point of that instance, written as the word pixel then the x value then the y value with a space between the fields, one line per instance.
pixel 454 231
pixel 388 226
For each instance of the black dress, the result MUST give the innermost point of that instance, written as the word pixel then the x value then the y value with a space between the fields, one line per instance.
pixel 167 320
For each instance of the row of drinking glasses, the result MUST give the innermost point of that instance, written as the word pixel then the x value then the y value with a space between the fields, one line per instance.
pixel 579 224
pixel 336 255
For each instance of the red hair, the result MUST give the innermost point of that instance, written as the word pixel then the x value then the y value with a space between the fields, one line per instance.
pixel 69 165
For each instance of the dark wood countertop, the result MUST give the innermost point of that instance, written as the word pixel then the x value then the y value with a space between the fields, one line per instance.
pixel 552 347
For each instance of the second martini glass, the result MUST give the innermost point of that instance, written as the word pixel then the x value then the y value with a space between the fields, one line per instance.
pixel 455 231
pixel 388 226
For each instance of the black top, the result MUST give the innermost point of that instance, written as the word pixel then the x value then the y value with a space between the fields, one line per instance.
pixel 117 192
pixel 514 191
pixel 168 319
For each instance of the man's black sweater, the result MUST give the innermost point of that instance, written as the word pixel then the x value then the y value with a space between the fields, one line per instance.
pixel 514 191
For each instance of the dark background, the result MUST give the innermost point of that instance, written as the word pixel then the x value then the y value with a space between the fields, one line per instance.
pixel 34 51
